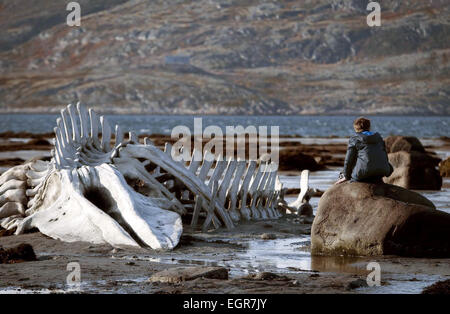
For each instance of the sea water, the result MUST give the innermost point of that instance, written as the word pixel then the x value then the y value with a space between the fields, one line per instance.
pixel 307 126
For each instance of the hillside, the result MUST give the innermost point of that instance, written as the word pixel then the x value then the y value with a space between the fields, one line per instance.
pixel 227 57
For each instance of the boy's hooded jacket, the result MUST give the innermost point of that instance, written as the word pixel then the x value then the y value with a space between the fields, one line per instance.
pixel 366 157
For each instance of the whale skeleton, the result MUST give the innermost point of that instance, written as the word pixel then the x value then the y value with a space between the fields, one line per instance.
pixel 103 189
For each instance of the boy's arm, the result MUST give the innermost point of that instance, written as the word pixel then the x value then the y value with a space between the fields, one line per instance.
pixel 350 159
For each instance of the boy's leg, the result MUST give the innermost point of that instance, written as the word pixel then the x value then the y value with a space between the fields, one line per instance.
pixel 373 180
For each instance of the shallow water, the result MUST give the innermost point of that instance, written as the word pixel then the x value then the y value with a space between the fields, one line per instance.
pixel 310 126
pixel 280 255
pixel 291 255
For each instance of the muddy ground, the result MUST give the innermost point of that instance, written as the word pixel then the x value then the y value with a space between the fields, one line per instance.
pixel 280 247
pixel 108 270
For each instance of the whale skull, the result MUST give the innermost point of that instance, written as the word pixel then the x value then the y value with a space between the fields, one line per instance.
pixel 95 204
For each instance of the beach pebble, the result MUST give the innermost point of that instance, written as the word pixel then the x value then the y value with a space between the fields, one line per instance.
pixel 266 276
pixel 180 274
pixel 305 210
pixel 268 236
pixel 306 220
pixel 21 253
pixel 358 283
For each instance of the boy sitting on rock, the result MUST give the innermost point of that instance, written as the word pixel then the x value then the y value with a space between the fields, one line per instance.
pixel 366 159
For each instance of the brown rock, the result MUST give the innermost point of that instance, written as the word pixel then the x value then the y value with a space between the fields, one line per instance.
pixel 440 287
pixel 265 276
pixel 412 159
pixel 355 284
pixel 305 210
pixel 403 143
pixel 38 142
pixel 414 170
pixel 295 160
pixel 179 274
pixel 444 168
pixel 376 219
pixel 7 233
pixel 268 236
pixel 21 253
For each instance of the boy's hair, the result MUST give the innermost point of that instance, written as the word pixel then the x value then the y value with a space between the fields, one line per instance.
pixel 361 124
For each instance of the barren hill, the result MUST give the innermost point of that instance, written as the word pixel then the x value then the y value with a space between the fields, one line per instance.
pixel 227 57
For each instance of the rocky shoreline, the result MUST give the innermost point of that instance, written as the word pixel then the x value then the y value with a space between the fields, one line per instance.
pixel 240 251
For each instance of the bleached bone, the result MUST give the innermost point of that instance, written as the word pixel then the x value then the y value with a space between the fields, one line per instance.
pixel 212 186
pixel 15 188
pixel 95 204
pixel 244 189
pixel 232 194
pixel 256 191
pixel 11 222
pixel 214 192
pixel 11 208
pixel 132 168
pixel 13 184
pixel 190 181
pixel 225 183
pixel 304 191
pixel 83 195
pixel 102 188
pixel 204 170
pixel 268 195
pixel 15 173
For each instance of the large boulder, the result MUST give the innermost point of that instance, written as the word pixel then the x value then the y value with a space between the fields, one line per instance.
pixel 295 160
pixel 444 167
pixel 414 170
pixel 379 219
pixel 413 167
pixel 403 143
pixel 18 254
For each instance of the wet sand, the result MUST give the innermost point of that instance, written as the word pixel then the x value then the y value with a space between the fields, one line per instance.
pixel 241 250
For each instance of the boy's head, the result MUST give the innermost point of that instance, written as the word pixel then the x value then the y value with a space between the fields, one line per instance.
pixel 361 124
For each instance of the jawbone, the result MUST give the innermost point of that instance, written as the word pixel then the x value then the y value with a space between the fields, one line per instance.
pixel 96 205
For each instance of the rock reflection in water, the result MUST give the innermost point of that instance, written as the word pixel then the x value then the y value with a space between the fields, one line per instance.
pixel 338 264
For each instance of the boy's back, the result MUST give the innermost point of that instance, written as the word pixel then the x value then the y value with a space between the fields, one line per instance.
pixel 366 158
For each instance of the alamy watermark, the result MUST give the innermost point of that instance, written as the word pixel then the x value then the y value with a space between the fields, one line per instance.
pixel 374 18
pixel 211 143
pixel 74 17
pixel 374 277
pixel 73 279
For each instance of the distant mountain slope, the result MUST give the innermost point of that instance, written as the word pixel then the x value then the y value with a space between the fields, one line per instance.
pixel 227 57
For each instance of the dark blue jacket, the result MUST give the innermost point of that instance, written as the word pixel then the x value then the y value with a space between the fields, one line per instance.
pixel 366 157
